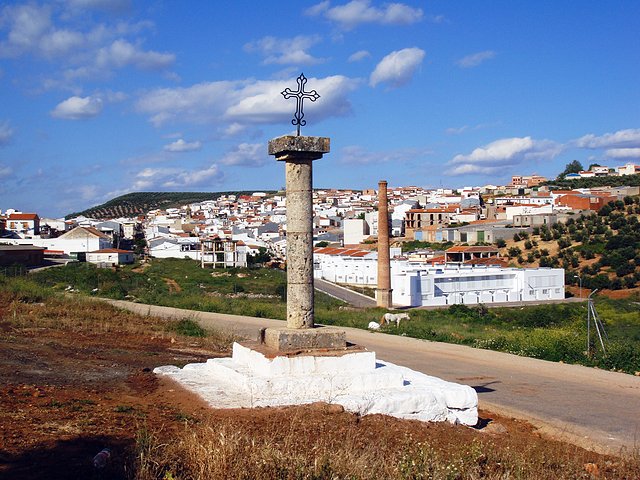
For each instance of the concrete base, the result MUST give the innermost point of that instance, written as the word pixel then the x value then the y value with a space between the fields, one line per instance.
pixel 357 381
pixel 301 340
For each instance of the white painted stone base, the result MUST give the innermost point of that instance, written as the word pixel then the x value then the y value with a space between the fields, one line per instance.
pixel 357 381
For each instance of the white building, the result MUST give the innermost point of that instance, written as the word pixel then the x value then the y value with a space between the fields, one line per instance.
pixel 461 284
pixel 628 169
pixel 415 284
pixel 78 241
pixel 531 209
pixel 110 257
pixel 355 230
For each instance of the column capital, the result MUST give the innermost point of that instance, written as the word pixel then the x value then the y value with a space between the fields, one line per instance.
pixel 292 147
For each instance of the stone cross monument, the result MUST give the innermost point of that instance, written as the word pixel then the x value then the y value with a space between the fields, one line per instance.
pixel 298 152
pixel 383 292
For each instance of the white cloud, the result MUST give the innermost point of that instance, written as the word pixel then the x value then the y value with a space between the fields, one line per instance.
pixel 469 128
pixel 234 129
pixel 243 102
pixel 246 154
pixel 122 53
pixel 60 42
pixel 357 12
pixel 27 24
pixel 623 153
pixel 397 68
pixel 318 8
pixel 181 146
pixel 5 171
pixel 77 49
pixel 359 55
pixel 6 132
pixel 495 156
pixel 355 154
pixel 78 108
pixel 629 138
pixel 475 59
pixel 286 51
pixel 436 18
pixel 196 178
pixel 150 179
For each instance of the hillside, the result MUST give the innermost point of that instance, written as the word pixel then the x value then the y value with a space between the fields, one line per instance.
pixel 623 181
pixel 141 202
pixel 598 250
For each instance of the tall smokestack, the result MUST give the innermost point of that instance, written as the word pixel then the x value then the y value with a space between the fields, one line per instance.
pixel 383 292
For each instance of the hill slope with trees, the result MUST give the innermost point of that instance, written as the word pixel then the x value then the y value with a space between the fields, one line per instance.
pixel 597 250
pixel 138 203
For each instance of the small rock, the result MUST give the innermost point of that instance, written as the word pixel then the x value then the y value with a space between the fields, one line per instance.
pixel 494 428
pixel 591 469
pixel 324 407
pixel 637 374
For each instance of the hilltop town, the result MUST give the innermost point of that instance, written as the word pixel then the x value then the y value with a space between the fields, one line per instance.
pixel 448 246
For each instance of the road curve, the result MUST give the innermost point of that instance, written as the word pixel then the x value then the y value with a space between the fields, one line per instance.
pixel 354 299
pixel 593 408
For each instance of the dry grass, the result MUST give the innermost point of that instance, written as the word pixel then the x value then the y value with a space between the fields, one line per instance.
pixel 344 446
pixel 80 315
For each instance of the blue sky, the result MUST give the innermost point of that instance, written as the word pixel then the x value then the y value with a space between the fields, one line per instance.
pixel 104 97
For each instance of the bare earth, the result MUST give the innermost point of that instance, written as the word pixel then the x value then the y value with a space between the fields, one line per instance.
pixel 594 408
pixel 66 394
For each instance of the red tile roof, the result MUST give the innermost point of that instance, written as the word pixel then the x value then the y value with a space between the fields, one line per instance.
pixel 23 216
pixel 111 250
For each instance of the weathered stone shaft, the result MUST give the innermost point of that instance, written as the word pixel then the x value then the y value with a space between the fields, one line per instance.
pixel 299 153
pixel 383 293
pixel 299 244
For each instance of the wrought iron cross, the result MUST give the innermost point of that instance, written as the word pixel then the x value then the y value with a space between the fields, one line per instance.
pixel 298 118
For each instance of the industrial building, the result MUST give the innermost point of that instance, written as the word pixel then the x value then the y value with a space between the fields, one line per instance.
pixel 417 284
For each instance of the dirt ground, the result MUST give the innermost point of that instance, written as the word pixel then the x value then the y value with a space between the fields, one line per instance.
pixel 65 395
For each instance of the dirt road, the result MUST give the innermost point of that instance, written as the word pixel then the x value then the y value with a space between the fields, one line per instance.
pixel 593 408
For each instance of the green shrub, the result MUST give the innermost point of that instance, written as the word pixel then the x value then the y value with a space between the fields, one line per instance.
pixel 188 327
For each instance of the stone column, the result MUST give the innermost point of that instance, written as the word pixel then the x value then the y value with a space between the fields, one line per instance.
pixel 299 243
pixel 383 292
pixel 298 153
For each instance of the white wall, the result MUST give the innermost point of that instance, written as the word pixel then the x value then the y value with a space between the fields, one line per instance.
pixel 355 231
pixel 68 246
pixel 415 284
pixel 527 210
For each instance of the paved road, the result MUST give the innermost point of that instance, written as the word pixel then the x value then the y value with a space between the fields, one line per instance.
pixel 594 408
pixel 359 300
pixel 341 293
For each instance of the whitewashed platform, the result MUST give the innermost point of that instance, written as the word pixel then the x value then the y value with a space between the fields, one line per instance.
pixel 357 381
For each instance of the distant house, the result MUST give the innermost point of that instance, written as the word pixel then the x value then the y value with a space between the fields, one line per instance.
pixel 81 240
pixel 534 219
pixel 219 252
pixel 463 254
pixel 572 176
pixel 24 224
pixel 581 201
pixel 173 247
pixel 355 230
pixel 110 257
pixel 26 255
pixel 628 169
pixel 527 180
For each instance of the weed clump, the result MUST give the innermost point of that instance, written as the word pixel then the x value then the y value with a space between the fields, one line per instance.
pixel 187 327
